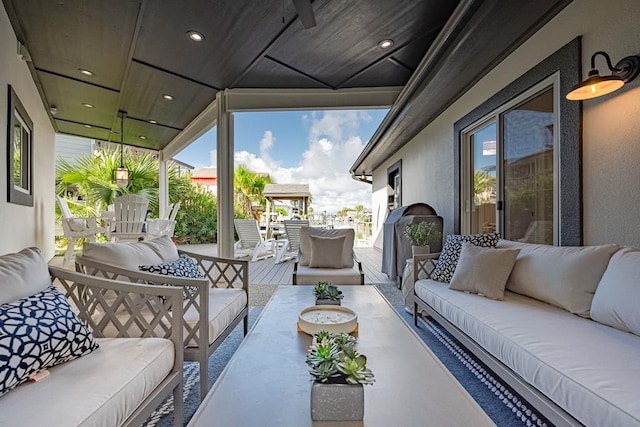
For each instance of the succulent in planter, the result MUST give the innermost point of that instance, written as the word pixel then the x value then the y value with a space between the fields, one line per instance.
pixel 339 373
pixel 327 293
pixel 421 234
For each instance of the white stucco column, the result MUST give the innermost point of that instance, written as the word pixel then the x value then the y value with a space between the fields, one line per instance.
pixel 225 177
pixel 163 186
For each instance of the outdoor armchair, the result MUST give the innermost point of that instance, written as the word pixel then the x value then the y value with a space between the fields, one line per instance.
pixel 213 305
pixel 75 228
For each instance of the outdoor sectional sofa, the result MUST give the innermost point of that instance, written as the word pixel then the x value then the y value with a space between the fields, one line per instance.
pixel 91 380
pixel 215 290
pixel 565 334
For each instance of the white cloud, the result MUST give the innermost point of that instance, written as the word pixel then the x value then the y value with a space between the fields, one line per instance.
pixel 333 146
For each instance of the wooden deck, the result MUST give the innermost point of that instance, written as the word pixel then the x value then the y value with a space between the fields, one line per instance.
pixel 267 272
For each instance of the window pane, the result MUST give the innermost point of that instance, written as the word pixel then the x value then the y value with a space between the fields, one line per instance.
pixel 483 175
pixel 528 170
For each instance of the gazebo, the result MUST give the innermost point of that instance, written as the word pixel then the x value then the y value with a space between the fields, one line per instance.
pixel 292 192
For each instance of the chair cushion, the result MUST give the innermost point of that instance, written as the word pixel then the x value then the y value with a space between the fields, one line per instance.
pixel 483 271
pixel 617 297
pixel 326 252
pixel 22 274
pixel 38 332
pixel 339 276
pixel 101 389
pixel 448 260
pixel 305 243
pixel 132 254
pixel 77 224
pixel 184 266
pixel 569 284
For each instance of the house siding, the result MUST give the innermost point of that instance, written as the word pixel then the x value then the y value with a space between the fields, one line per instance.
pixel 23 226
pixel 611 128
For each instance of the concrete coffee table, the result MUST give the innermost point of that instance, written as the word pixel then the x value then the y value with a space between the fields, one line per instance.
pixel 267 383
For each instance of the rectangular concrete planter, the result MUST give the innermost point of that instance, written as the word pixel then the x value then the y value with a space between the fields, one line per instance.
pixel 337 402
pixel 328 302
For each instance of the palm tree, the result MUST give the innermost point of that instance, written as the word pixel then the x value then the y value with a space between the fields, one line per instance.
pixel 248 187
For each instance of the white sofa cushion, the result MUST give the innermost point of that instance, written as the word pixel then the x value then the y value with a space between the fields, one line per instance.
pixel 338 276
pixel 22 274
pixel 565 276
pixel 132 254
pixel 483 271
pixel 347 248
pixel 100 389
pixel 617 299
pixel 589 369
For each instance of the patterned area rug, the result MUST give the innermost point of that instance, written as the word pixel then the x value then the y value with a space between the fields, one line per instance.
pixel 503 405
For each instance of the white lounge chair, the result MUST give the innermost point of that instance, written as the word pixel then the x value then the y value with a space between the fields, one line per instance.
pixel 290 250
pixel 251 243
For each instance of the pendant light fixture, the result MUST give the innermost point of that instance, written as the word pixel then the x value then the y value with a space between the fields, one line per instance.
pixel 121 174
pixel 595 85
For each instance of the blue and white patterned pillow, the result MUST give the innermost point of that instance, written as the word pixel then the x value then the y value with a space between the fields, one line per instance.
pixel 448 260
pixel 38 332
pixel 184 266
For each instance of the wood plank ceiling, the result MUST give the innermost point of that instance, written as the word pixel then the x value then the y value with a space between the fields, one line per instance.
pixel 138 51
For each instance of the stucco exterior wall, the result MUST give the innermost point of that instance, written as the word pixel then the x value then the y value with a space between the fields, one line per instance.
pixel 611 127
pixel 23 226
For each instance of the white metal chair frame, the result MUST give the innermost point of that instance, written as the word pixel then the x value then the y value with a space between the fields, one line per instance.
pixel 164 226
pixel 130 212
pixel 292 229
pixel 250 241
pixel 75 228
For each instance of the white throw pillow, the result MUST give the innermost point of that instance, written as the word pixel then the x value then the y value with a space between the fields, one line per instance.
pixel 483 271
pixel 564 276
pixel 617 299
pixel 23 274
pixel 347 249
pixel 448 259
pixel 326 252
pixel 77 224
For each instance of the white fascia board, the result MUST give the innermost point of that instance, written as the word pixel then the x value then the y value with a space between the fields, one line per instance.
pixel 206 120
pixel 310 99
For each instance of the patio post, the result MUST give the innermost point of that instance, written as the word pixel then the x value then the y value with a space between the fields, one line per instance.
pixel 225 176
pixel 163 186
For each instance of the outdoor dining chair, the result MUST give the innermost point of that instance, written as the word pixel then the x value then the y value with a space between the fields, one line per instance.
pixel 128 222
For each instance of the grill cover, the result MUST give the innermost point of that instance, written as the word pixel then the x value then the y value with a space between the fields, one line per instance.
pixel 396 248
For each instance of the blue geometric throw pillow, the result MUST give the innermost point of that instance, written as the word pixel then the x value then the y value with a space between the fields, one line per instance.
pixel 39 332
pixel 184 266
pixel 448 259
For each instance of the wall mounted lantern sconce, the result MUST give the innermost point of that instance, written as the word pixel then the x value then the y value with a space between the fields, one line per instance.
pixel 121 174
pixel 595 85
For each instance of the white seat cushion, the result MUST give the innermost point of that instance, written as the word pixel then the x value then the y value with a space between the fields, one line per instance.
pixel 132 254
pixel 100 389
pixel 337 276
pixel 589 369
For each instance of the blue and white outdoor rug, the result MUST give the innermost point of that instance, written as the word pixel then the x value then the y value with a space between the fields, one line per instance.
pixel 504 406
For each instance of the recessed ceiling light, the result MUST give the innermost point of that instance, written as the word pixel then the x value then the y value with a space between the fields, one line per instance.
pixel 153 122
pixel 385 44
pixel 195 36
pixel 142 137
pixel 86 72
pixel 167 97
pixel 88 105
pixel 87 126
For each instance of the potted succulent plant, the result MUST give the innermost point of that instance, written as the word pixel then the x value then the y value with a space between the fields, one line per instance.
pixel 420 235
pixel 339 373
pixel 327 294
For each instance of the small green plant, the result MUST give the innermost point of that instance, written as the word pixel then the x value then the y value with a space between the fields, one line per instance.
pixel 333 359
pixel 327 290
pixel 422 233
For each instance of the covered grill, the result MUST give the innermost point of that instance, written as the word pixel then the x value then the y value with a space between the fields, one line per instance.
pixel 396 248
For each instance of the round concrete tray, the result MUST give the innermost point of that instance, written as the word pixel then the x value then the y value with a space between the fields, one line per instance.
pixel 330 318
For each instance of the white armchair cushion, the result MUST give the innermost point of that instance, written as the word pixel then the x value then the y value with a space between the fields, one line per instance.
pixel 77 224
pixel 132 254
pixel 617 297
pixel 22 274
pixel 564 276
pixel 347 248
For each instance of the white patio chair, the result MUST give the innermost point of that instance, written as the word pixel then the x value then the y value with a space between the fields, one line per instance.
pixel 163 226
pixel 250 241
pixel 75 228
pixel 130 213
pixel 292 229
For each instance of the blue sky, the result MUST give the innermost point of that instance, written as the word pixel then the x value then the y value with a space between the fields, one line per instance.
pixel 300 147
